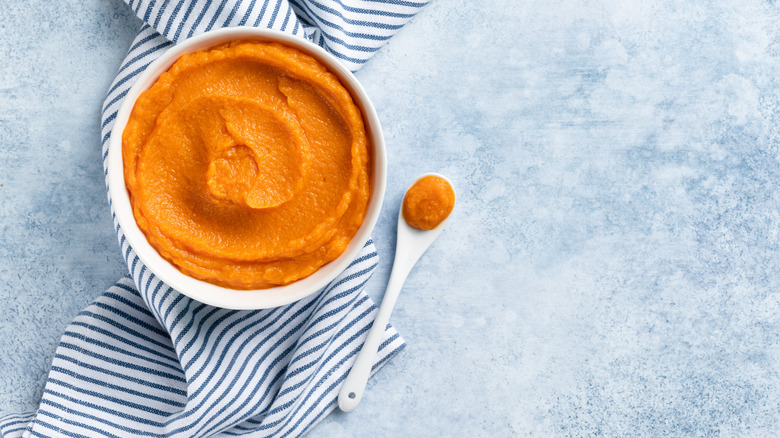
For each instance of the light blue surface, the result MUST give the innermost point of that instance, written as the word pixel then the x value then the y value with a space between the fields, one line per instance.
pixel 612 266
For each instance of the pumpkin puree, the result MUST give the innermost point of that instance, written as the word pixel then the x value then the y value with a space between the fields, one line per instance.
pixel 247 165
pixel 428 202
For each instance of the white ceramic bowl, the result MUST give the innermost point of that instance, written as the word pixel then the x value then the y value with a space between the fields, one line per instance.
pixel 206 292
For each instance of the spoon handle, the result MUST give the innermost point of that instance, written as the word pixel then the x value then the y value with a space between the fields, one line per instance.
pixel 352 390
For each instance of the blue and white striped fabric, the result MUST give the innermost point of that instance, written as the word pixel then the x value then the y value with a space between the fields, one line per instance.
pixel 143 359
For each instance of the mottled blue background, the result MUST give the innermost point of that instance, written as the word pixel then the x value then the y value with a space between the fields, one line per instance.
pixel 611 268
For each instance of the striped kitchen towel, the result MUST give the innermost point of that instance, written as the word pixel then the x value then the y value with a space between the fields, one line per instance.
pixel 143 359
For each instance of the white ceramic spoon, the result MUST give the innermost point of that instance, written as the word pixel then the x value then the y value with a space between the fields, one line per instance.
pixel 409 247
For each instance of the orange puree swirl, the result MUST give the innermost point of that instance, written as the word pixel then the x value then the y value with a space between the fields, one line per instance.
pixel 247 165
pixel 428 202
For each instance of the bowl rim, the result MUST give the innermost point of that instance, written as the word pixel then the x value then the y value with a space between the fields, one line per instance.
pixel 203 291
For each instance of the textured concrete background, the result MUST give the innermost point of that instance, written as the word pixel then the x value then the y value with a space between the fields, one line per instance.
pixel 612 267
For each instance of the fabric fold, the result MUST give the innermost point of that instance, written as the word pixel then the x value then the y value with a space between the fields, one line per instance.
pixel 352 30
pixel 145 360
